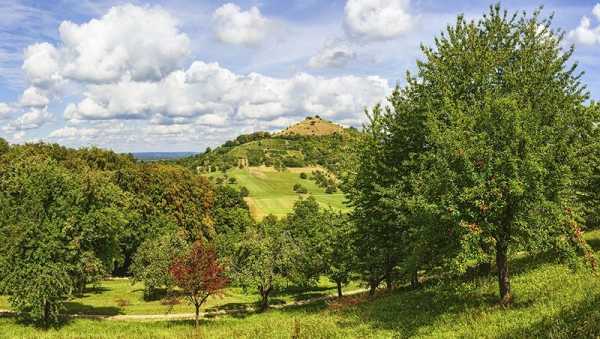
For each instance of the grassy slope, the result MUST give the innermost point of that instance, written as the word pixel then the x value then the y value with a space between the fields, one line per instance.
pixel 271 192
pixel 551 302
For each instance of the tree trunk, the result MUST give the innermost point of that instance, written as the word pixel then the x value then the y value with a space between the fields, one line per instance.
pixel 264 301
pixel 372 287
pixel 46 313
pixel 414 279
pixel 503 278
pixel 197 314
pixel 339 288
pixel 389 283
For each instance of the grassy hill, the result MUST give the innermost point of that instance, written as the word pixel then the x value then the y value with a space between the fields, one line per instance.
pixel 551 301
pixel 272 191
pixel 269 165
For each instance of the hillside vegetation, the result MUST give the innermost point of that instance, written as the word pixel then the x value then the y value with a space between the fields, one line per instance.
pixel 311 142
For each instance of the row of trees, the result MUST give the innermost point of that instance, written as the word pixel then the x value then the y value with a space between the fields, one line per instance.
pixel 265 256
pixel 491 148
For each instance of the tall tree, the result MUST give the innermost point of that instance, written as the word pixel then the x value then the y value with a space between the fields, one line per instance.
pixel 505 116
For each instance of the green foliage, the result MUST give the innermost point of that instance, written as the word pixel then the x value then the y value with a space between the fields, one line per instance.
pixel 478 156
pixel 4 146
pixel 264 259
pixel 153 259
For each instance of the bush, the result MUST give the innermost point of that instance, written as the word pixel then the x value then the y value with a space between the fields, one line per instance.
pixel 232 181
pixel 330 189
pixel 303 176
pixel 300 189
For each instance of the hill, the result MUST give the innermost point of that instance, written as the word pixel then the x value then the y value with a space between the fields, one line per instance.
pixel 269 165
pixel 311 142
pixel 312 126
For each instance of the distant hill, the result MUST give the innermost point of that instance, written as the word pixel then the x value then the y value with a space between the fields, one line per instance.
pixel 312 126
pixel 311 142
pixel 155 156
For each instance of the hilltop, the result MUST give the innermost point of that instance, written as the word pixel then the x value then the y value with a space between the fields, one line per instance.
pixel 312 126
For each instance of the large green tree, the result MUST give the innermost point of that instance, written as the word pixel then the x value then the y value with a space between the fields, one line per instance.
pixel 503 118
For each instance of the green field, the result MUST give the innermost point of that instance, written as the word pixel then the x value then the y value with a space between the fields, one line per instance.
pixel 271 191
pixel 551 301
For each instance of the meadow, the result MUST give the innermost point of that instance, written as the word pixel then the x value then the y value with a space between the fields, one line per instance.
pixel 271 191
pixel 551 301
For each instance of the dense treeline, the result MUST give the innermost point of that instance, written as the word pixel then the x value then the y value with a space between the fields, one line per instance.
pixel 71 217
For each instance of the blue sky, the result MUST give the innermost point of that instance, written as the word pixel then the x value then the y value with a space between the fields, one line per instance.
pixel 184 75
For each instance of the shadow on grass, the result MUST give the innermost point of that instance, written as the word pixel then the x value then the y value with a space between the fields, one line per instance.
pixel 76 308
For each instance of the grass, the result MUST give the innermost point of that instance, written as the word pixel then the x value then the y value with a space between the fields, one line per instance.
pixel 120 296
pixel 271 192
pixel 551 301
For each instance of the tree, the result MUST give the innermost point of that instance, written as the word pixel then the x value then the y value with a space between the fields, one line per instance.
pixel 4 146
pixel 199 274
pixel 339 251
pixel 153 260
pixel 503 117
pixel 307 229
pixel 264 259
pixel 37 255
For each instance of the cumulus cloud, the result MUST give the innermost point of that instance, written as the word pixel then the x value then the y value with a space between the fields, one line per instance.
pixel 333 55
pixel 235 26
pixel 34 97
pixel 127 71
pixel 32 119
pixel 211 94
pixel 377 19
pixel 585 33
pixel 139 43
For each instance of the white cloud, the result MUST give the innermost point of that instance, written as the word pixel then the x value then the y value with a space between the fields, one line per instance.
pixel 32 119
pixel 5 111
pixel 140 43
pixel 234 26
pixel 207 91
pixel 34 97
pixel 41 65
pixel 333 55
pixel 585 33
pixel 377 19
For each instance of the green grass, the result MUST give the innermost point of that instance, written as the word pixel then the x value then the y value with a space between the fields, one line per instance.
pixel 551 301
pixel 271 192
pixel 106 299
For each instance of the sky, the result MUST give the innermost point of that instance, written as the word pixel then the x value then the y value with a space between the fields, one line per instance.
pixel 185 75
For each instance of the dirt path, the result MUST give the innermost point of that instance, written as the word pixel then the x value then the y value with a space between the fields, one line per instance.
pixel 187 316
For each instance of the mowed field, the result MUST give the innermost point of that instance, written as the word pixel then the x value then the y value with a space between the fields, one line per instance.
pixel 271 191
pixel 551 301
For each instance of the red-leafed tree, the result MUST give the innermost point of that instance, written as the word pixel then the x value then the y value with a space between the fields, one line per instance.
pixel 199 274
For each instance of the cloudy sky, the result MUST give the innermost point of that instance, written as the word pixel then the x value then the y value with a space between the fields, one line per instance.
pixel 184 75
